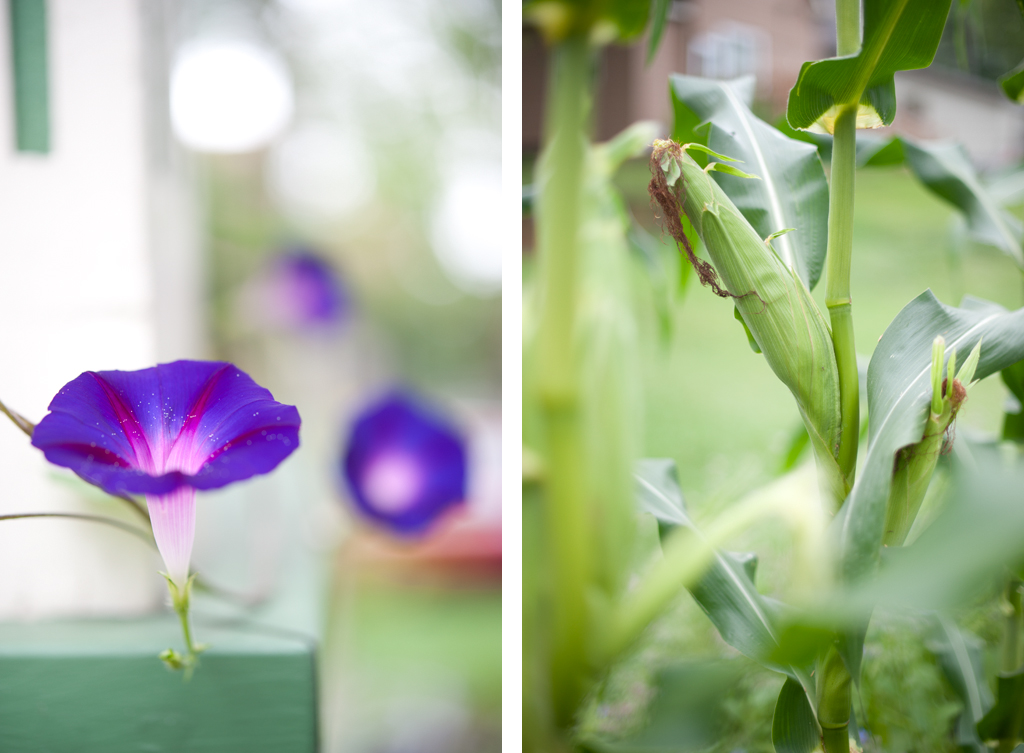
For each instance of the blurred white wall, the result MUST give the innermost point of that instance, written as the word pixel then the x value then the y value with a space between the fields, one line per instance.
pixel 99 269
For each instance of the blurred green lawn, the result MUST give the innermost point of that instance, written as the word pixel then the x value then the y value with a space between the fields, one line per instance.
pixel 411 666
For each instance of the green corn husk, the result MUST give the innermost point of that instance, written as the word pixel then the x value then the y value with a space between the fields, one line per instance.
pixel 915 464
pixel 776 306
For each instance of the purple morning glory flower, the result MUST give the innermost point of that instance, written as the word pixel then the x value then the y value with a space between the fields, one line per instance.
pixel 302 290
pixel 166 432
pixel 404 465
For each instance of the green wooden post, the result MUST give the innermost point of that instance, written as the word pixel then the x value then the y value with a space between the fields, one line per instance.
pixel 31 75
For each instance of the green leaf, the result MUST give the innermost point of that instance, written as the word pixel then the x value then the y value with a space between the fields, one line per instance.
pixel 792 191
pixel 945 169
pixel 1013 426
pixel 1013 378
pixel 673 173
pixel 799 441
pixel 1013 84
pixel 959 655
pixel 996 724
pixel 629 16
pixel 658 492
pixel 615 20
pixel 1007 187
pixel 879 152
pixel 778 234
pixel 899 393
pixel 899 35
pixel 794 726
pixel 630 142
pixel 722 167
pixel 751 341
pixel 822 141
pixel 658 23
pixel 695 146
pixel 1013 419
pixel 746 620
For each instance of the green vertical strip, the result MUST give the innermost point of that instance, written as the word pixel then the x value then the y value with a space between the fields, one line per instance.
pixel 31 75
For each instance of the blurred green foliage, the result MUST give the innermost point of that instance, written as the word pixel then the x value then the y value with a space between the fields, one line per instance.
pixel 907 705
pixel 728 428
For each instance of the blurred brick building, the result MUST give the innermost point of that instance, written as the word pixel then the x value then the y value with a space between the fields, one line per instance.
pixel 771 39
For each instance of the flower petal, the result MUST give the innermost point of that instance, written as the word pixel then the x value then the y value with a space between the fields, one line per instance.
pixel 197 423
pixel 174 527
pixel 399 448
pixel 304 290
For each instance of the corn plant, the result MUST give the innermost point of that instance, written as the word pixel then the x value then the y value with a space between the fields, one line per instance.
pixel 758 220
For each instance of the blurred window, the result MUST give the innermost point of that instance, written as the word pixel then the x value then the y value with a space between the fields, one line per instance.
pixel 728 51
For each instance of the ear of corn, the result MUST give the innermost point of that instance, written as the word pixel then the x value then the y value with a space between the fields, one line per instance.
pixel 915 464
pixel 775 305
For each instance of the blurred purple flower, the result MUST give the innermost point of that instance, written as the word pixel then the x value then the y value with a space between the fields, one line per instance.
pixel 165 432
pixel 302 290
pixel 404 465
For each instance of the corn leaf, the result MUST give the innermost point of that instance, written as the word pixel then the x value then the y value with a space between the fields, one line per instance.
pixel 626 18
pixel 899 35
pixel 658 22
pixel 794 726
pixel 998 722
pixel 746 620
pixel 959 655
pixel 945 169
pixel 1013 84
pixel 1013 420
pixel 722 167
pixel 792 191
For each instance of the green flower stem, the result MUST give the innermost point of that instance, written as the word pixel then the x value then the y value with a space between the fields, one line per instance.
pixel 181 597
pixel 186 630
pixel 837 295
pixel 558 220
pixel 19 420
pixel 145 536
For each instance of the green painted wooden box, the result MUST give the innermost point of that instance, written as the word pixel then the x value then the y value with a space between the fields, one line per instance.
pixel 97 685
